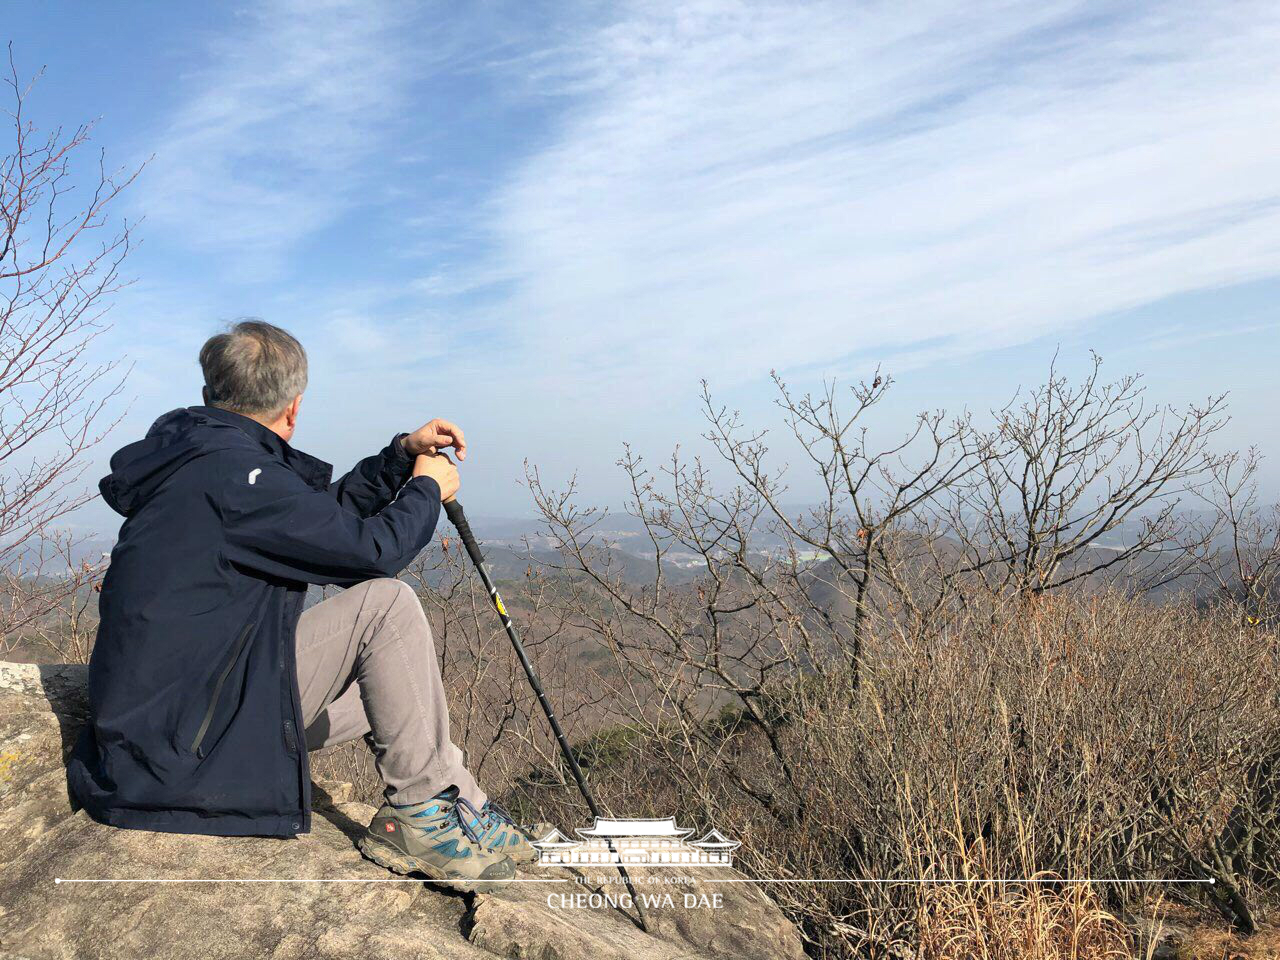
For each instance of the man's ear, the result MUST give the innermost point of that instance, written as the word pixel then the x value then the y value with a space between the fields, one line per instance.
pixel 291 412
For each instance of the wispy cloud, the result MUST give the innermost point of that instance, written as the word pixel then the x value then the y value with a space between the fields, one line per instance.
pixel 740 186
pixel 509 213
pixel 273 138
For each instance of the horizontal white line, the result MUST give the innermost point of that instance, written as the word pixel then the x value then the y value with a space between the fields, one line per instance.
pixel 254 880
pixel 911 880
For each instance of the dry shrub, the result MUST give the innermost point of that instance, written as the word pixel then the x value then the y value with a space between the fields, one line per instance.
pixel 1032 922
pixel 944 667
pixel 1081 737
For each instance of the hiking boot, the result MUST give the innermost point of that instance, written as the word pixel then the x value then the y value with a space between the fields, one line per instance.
pixel 432 839
pixel 498 832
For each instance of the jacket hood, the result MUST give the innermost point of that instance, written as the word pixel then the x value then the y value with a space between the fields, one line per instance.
pixel 140 469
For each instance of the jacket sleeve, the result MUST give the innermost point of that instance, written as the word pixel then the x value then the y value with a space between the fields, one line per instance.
pixel 275 524
pixel 372 483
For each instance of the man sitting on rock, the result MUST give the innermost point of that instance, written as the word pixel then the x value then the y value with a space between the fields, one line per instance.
pixel 209 683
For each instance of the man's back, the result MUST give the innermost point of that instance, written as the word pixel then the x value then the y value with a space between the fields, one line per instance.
pixel 167 578
pixel 196 724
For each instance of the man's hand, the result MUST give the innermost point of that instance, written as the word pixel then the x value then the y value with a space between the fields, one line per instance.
pixel 433 437
pixel 439 468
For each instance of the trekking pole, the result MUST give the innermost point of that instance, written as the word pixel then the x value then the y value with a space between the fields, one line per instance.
pixel 453 509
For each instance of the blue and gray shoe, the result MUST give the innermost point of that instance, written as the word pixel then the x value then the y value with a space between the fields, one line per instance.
pixel 435 839
pixel 498 831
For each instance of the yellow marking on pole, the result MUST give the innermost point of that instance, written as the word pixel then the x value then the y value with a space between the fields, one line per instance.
pixel 497 602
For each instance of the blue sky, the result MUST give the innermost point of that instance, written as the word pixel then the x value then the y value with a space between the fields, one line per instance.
pixel 549 221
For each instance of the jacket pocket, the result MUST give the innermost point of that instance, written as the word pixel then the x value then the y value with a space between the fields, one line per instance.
pixel 217 690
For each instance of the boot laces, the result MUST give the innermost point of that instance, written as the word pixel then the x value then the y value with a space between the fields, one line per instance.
pixel 500 813
pixel 466 822
pixel 454 816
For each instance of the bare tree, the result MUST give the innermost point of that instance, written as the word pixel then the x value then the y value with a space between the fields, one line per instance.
pixel 59 264
pixel 69 635
pixel 1072 463
pixel 1237 550
pixel 858 687
pixel 865 529
pixel 776 589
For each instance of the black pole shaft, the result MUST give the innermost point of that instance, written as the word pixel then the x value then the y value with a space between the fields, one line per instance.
pixel 453 509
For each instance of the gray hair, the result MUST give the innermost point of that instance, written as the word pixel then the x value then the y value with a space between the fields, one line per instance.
pixel 253 368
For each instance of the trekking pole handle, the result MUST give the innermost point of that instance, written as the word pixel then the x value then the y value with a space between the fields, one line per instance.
pixel 453 510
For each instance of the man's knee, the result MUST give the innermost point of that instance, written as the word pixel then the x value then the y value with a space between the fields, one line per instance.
pixel 386 591
pixel 394 596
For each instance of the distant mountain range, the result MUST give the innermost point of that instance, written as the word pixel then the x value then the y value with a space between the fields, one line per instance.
pixel 513 545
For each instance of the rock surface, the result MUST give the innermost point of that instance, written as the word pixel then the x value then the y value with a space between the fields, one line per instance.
pixel 357 911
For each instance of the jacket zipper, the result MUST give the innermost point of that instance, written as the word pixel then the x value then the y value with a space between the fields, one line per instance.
pixel 295 732
pixel 217 689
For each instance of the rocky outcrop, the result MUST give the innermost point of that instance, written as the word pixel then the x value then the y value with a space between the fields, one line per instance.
pixel 224 897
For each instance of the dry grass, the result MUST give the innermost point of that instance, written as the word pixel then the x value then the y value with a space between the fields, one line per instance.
pixel 1082 737
pixel 1215 944
pixel 984 922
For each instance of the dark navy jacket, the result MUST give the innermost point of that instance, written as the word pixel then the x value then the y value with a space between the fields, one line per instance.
pixel 195 722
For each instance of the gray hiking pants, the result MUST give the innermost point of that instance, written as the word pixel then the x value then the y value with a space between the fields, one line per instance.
pixel 367 668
